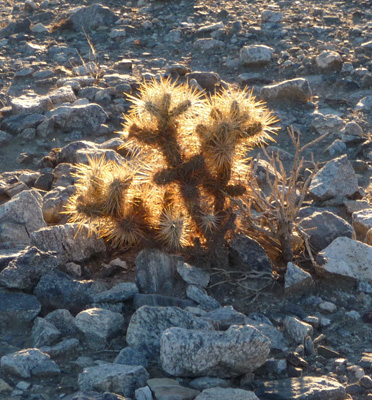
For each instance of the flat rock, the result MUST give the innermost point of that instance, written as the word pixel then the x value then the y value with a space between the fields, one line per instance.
pixel 297 90
pixel 207 382
pixel 29 363
pixel 148 323
pixel 256 55
pixel 348 258
pixel 121 379
pixel 71 243
pixel 306 388
pixel 120 292
pixel 140 300
pixel 337 178
pixel 239 350
pixel 30 103
pixel 218 393
pixel 193 275
pixel 25 271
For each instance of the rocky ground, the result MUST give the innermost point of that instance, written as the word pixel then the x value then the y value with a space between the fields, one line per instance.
pixel 78 321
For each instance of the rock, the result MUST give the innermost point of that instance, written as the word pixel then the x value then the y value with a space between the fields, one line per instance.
pixel 323 227
pixel 364 104
pixel 19 217
pixel 54 203
pixel 99 326
pixel 71 242
pixel 5 138
pixel 119 293
pixel 30 103
pixel 207 80
pixel 337 178
pixel 25 271
pixel 148 323
pixel 44 333
pixel 131 356
pixel 62 349
pixel 348 258
pixel 57 290
pixel 201 297
pixel 156 272
pixel 353 129
pixel 63 321
pixel 362 222
pixel 95 396
pixel 327 123
pixel 143 393
pixel 218 393
pixel 29 363
pixel 365 382
pixel 271 16
pixel 296 279
pixel 17 308
pixel 166 389
pixel 92 17
pixel 256 55
pixel 121 379
pixel 249 255
pixel 22 25
pixel 39 28
pixel 297 329
pixel 78 117
pixel 16 124
pixel 177 69
pixel 208 44
pixel 210 28
pixel 140 300
pixel 207 382
pixel 296 90
pixel 329 60
pixel 276 337
pixel 308 387
pixel 239 350
pixel 193 275
pixel 224 317
pixel 4 387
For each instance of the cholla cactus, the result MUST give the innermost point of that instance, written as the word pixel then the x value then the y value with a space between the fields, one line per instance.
pixel 178 189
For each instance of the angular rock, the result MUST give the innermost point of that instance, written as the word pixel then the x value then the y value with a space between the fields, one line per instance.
pixel 99 326
pixel 224 317
pixel 131 356
pixel 276 337
pixel 143 393
pixel 296 279
pixel 337 178
pixel 19 217
pixel 201 297
pixel 148 323
pixel 218 393
pixel 256 55
pixel 348 258
pixel 193 275
pixel 30 103
pixel 92 17
pixel 323 227
pixel 63 321
pixel 121 379
pixel 140 300
pixel 119 293
pixel 239 350
pixel 296 90
pixel 156 272
pixel 297 329
pixel 29 363
pixel 327 123
pixel 329 60
pixel 44 333
pixel 165 389
pixel 309 388
pixel 17 308
pixel 362 222
pixel 25 271
pixel 57 290
pixel 70 243
pixel 54 203
pixel 61 349
pixel 16 124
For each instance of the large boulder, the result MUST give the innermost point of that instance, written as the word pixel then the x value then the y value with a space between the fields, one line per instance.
pixel 239 350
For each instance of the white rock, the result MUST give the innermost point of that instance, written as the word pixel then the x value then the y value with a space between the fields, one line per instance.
pixel 328 306
pixel 297 329
pixel 328 60
pixel 256 55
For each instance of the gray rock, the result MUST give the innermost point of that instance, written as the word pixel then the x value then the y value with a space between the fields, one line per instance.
pixel 17 308
pixel 131 356
pixel 207 382
pixel 63 320
pixel 70 242
pixel 30 103
pixel 16 124
pixel 327 123
pixel 193 275
pixel 201 297
pixel 25 271
pixel 348 258
pixel 208 44
pixel 5 138
pixel 92 17
pixel 21 26
pixel 329 60
pixel 29 363
pixel 296 279
pixel 156 272
pixel 54 203
pixel 61 349
pixel 239 350
pixel 337 178
pixel 148 323
pixel 57 290
pixel 276 337
pixel 121 379
pixel 78 117
pixel 19 217
pixel 249 255
pixel 296 90
pixel 140 300
pixel 207 80
pixel 119 293
pixel 309 388
pixel 143 393
pixel 271 16
pixel 218 393
pixel 224 317
pixel 6 256
pixel 297 329
pixel 165 389
pixel 95 396
pixel 362 222
pixel 364 104
pixel 44 333
pixel 256 55
pixel 323 227
pixel 99 326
